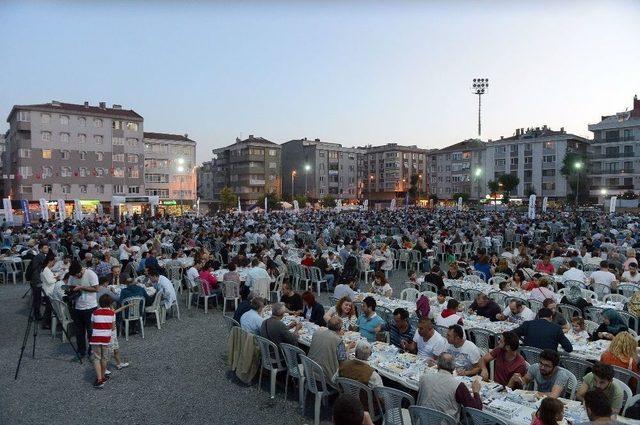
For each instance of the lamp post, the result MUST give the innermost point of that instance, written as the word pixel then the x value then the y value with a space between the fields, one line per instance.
pixel 419 186
pixel 479 87
pixel 181 170
pixel 578 167
pixel 307 168
pixel 293 175
pixel 477 173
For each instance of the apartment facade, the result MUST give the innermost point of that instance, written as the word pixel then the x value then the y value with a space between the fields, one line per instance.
pixel 69 151
pixel 615 154
pixel 250 167
pixel 169 170
pixel 205 181
pixel 388 170
pixel 536 156
pixel 457 169
pixel 319 169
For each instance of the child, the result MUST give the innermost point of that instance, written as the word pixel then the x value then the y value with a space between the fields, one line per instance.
pixel 103 322
pixel 578 330
pixel 441 299
pixel 115 347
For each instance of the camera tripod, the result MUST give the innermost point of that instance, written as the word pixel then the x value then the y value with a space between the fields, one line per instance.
pixel 30 323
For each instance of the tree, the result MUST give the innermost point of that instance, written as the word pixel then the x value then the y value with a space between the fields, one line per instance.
pixel 329 201
pixel 302 200
pixel 228 199
pixel 509 182
pixel 629 194
pixel 494 188
pixel 413 189
pixel 574 168
pixel 273 202
pixel 465 197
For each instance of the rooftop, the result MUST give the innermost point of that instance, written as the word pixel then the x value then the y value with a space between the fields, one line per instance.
pixel 101 109
pixel 168 136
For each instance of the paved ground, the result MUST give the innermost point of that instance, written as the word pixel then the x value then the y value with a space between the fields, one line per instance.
pixel 177 375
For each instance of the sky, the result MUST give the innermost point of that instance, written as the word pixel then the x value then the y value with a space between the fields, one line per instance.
pixel 351 72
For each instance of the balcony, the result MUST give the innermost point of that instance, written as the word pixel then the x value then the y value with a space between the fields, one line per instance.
pixel 615 139
pixel 256 182
pixel 608 155
pixel 599 187
pixel 623 171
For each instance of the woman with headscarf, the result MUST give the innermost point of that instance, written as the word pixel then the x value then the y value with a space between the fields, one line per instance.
pixel 573 296
pixel 612 324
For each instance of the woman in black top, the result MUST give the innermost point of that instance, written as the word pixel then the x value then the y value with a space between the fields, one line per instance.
pixel 312 311
pixel 454 272
pixel 435 277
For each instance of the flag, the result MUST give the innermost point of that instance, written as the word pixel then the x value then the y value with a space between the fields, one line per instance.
pixel 25 210
pixel 8 211
pixel 544 204
pixel 44 209
pixel 62 212
pixel 532 207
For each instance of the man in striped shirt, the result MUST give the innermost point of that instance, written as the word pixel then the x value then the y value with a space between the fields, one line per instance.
pixel 103 321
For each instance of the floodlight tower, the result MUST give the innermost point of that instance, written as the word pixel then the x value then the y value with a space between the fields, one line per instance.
pixel 480 87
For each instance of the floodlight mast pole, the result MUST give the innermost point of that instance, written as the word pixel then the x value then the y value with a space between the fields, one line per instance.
pixel 479 87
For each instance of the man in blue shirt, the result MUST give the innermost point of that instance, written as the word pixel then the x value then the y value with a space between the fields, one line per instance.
pixel 369 323
pixel 401 328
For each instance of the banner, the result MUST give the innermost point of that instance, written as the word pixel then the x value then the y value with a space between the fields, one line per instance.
pixel 198 207
pixel 25 209
pixel 77 210
pixel 62 210
pixel 100 210
pixel 365 204
pixel 8 211
pixel 393 204
pixel 460 203
pixel 240 206
pixel 44 209
pixel 544 204
pixel 296 206
pixel 338 204
pixel 612 204
pixel 406 201
pixel 532 207
pixel 266 205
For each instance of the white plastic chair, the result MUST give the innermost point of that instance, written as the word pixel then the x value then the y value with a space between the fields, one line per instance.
pixel 409 294
pixel 317 279
pixel 627 394
pixel 132 314
pixel 154 308
pixel 356 389
pixel 261 287
pixel 316 383
pixel 391 400
pixel 62 311
pixel 292 355
pixel 618 298
pixel 231 292
pixel 270 355
pixel 202 295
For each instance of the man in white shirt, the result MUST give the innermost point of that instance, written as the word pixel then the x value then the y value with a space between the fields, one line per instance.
pixel 344 290
pixel 574 273
pixel 604 277
pixel 86 282
pixel 427 343
pixel 465 353
pixel 163 285
pixel 255 272
pixel 251 321
pixel 193 272
pixel 632 274
pixel 516 312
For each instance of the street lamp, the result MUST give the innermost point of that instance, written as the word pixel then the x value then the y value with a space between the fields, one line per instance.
pixel 479 87
pixel 180 170
pixel 578 167
pixel 603 192
pixel 419 186
pixel 307 168
pixel 293 174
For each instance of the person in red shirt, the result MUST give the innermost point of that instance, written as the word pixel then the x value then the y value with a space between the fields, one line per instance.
pixel 103 320
pixel 209 280
pixel 545 266
pixel 308 259
pixel 507 360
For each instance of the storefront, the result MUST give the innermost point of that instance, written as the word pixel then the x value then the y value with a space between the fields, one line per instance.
pixel 130 205
pixel 175 207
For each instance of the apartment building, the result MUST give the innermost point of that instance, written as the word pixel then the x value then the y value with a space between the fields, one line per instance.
pixel 205 181
pixel 457 169
pixel 536 156
pixel 615 154
pixel 70 151
pixel 388 170
pixel 318 168
pixel 169 170
pixel 250 167
pixel 3 171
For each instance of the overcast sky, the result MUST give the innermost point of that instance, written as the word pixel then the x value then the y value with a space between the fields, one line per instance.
pixel 350 72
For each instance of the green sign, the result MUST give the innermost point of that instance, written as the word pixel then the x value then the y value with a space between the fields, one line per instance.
pixel 168 203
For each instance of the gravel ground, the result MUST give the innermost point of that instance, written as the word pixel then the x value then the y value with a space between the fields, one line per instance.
pixel 177 375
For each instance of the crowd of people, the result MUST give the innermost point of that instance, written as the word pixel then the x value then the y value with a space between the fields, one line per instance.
pixel 97 265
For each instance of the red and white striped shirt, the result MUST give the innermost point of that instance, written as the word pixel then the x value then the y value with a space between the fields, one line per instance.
pixel 102 321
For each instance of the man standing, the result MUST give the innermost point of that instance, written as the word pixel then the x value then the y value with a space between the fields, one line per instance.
pixel 86 282
pixel 444 393
pixel 36 266
pixel 427 343
pixel 543 333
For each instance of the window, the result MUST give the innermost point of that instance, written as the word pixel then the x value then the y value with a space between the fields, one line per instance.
pixel 118 188
pixel 83 172
pixel 66 189
pixel 500 162
pixel 132 126
pixel 45 118
pixel 83 188
pixel 118 172
pixel 23 116
pixel 65 154
pixel 98 140
pixel 64 137
pixel 64 120
pixel 134 173
pixel 65 172
pixel 26 190
pixel 97 123
pixel 25 171
pixel 82 122
pixel 47 172
pixel 100 188
pixel 132 141
pixel 82 138
pixel 549 158
pixel 118 157
pixel 100 172
pixel 117 141
pixel 549 145
pixel 500 149
pixel 46 188
pixel 161 193
pixel 134 190
pixel 273 165
pixel 116 125
pixel 24 153
pixel 46 136
pixel 83 155
pixel 273 152
pixel 156 178
pixel 99 156
pixel 132 158
pixel 549 173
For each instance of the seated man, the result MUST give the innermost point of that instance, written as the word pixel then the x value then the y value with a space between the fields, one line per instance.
pixel 485 307
pixel 327 348
pixel 551 380
pixel 400 329
pixel 164 286
pixel 601 378
pixel 426 342
pixel 543 333
pixel 275 331
pixel 358 369
pixel 347 410
pixel 449 315
pixel 507 360
pixel 251 321
pixel 465 353
pixel 346 290
pixel 369 323
pixel 244 305
pixel 598 408
pixel 516 312
pixel 255 272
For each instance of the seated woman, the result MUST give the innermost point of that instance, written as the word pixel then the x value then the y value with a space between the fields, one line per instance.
pixel 311 310
pixel 209 280
pixel 232 275
pixel 345 310
pixel 611 326
pixel 543 291
pixel 503 267
pixel 381 285
pixel 622 352
pixel 516 281
pixel 454 272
